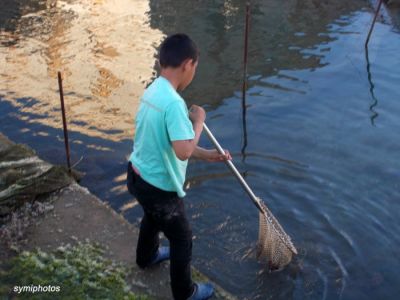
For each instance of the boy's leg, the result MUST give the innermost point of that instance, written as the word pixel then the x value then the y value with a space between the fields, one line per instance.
pixel 148 241
pixel 170 218
pixel 130 179
pixel 178 231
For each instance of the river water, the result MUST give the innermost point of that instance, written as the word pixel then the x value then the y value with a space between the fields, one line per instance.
pixel 317 139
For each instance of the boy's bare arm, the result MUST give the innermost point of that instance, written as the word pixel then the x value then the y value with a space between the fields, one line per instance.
pixel 188 148
pixel 184 149
pixel 199 153
pixel 211 155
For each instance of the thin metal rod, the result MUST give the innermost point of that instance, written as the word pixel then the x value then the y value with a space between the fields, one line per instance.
pixel 64 121
pixel 244 86
pixel 245 52
pixel 244 125
pixel 235 172
pixel 373 23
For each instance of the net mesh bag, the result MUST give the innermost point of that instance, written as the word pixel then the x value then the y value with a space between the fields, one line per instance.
pixel 274 245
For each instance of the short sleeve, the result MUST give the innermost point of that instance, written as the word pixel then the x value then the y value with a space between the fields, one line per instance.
pixel 179 126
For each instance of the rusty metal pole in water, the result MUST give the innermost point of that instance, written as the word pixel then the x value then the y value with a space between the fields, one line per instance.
pixel 373 22
pixel 64 121
pixel 245 52
pixel 244 86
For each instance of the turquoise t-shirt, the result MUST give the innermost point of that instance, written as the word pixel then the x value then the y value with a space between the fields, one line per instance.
pixel 162 118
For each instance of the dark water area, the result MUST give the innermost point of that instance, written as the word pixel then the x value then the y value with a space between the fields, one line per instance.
pixel 317 140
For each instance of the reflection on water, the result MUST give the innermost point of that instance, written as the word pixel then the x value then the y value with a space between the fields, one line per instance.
pixel 304 138
pixel 276 37
pixel 105 71
pixel 374 103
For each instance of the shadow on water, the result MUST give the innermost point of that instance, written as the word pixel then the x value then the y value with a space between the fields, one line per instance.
pixel 13 10
pixel 103 159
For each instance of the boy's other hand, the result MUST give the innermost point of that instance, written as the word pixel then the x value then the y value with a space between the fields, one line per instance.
pixel 214 156
pixel 197 114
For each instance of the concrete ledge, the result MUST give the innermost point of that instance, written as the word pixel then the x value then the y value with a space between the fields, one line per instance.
pixel 79 216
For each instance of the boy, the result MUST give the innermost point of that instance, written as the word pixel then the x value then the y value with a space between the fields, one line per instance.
pixel 166 136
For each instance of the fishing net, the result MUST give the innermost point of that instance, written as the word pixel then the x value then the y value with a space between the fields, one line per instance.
pixel 23 176
pixel 274 245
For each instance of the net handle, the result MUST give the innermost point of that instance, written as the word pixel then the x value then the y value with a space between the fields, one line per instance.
pixel 235 172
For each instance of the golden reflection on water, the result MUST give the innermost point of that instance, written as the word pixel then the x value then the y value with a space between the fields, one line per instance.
pixel 105 50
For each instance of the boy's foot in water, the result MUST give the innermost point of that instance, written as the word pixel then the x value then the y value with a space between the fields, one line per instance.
pixel 162 254
pixel 202 291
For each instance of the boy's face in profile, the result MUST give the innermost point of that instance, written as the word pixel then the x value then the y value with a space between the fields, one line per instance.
pixel 188 72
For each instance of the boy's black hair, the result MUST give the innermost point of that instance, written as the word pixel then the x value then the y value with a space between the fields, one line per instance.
pixel 175 49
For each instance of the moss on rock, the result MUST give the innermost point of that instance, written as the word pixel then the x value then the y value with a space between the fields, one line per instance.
pixel 81 272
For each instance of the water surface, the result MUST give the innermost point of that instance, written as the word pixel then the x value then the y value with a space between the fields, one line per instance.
pixel 317 138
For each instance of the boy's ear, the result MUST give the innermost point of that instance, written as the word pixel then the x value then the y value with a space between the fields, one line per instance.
pixel 187 63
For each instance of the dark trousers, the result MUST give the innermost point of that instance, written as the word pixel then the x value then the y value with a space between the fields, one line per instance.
pixel 163 212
